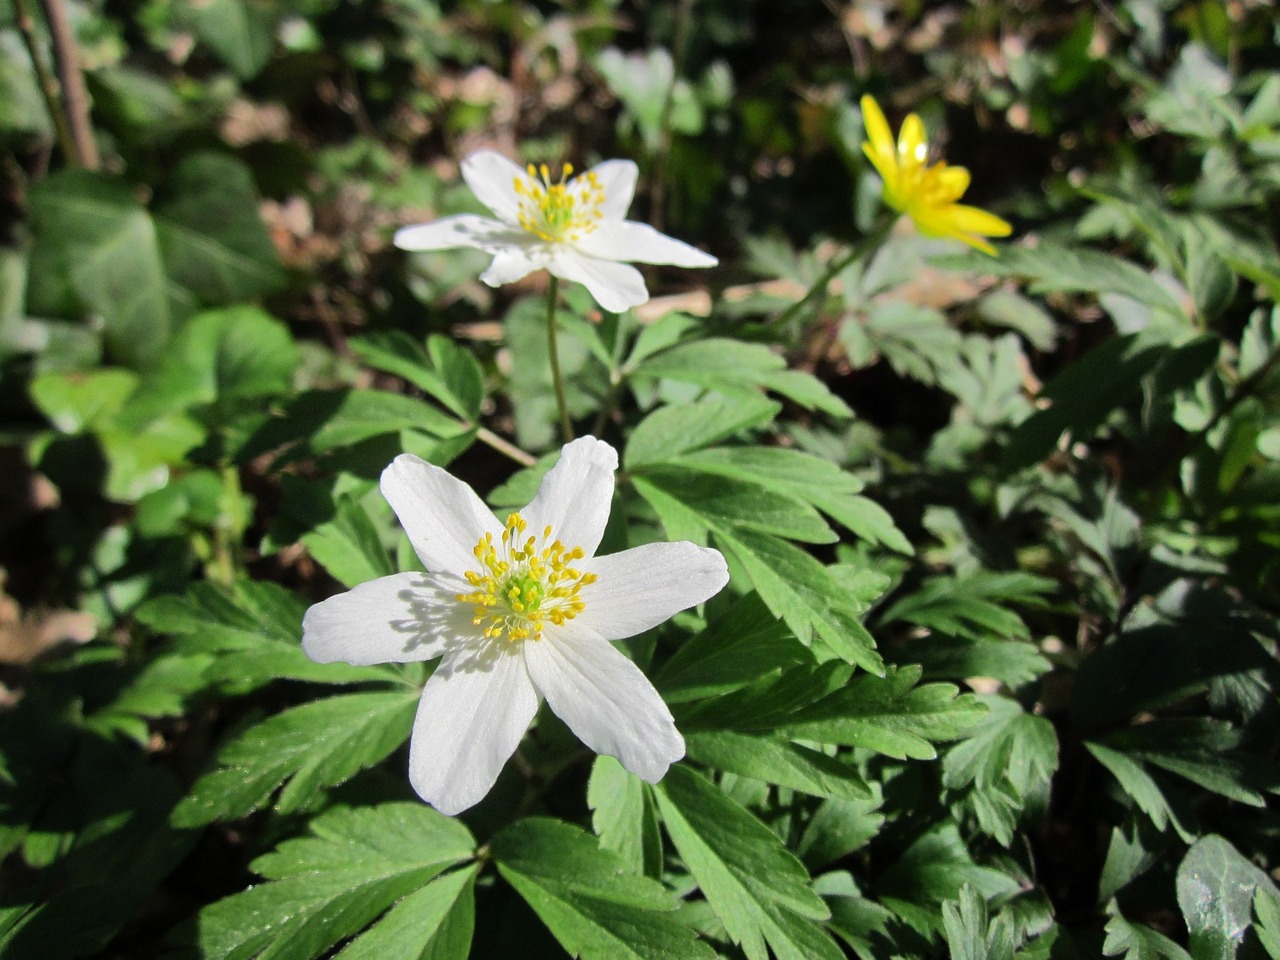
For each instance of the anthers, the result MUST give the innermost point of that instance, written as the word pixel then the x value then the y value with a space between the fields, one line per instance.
pixel 560 211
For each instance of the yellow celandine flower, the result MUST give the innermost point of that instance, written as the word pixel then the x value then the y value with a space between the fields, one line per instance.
pixel 927 193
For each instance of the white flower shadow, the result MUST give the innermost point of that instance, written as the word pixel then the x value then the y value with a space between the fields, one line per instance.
pixel 437 620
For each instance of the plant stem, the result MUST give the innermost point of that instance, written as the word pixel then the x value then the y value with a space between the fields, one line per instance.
pixel 227 562
pixel 46 82
pixel 66 58
pixel 658 187
pixel 553 294
pixel 861 249
pixel 487 436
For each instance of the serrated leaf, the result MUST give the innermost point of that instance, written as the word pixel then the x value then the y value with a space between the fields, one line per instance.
pixel 348 546
pixel 1266 910
pixel 317 421
pixel 1216 887
pixel 442 368
pixel 807 478
pixel 1009 744
pixel 1139 785
pixel 840 827
pixel 889 714
pixel 733 366
pixel 623 816
pixel 328 886
pixel 585 895
pixel 757 888
pixel 736 649
pixel 972 606
pixel 1133 941
pixel 970 935
pixel 1012 662
pixel 319 744
pixel 777 762
pixel 433 923
pixel 768 703
pixel 680 428
pixel 254 627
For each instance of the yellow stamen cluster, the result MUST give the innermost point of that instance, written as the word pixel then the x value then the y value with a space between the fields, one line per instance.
pixel 524 583
pixel 561 211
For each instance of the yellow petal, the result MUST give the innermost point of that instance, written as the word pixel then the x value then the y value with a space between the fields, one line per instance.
pixel 913 143
pixel 879 146
pixel 947 184
pixel 977 220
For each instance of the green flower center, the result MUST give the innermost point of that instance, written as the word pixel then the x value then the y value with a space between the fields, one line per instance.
pixel 562 211
pixel 524 583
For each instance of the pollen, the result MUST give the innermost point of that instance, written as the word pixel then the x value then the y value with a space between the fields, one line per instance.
pixel 523 582
pixel 562 211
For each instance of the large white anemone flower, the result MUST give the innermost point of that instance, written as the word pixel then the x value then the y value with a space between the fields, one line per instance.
pixel 517 612
pixel 573 228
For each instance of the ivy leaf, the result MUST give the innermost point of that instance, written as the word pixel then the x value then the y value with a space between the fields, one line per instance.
pixel 587 897
pixel 757 888
pixel 1216 888
pixel 889 714
pixel 326 887
pixel 319 744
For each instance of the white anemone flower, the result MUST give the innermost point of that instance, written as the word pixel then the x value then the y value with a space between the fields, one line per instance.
pixel 573 228
pixel 517 611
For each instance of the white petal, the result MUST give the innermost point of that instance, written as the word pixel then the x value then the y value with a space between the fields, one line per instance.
pixel 615 286
pixel 641 587
pixel 639 242
pixel 465 230
pixel 618 180
pixel 442 515
pixel 605 699
pixel 576 494
pixel 396 619
pixel 492 178
pixel 474 710
pixel 509 266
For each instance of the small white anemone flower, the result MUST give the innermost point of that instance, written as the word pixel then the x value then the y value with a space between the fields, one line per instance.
pixel 517 611
pixel 573 228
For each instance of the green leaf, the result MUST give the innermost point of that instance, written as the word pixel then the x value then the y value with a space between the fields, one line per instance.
pixel 970 935
pixel 212 239
pixel 680 428
pixel 973 606
pixel 587 897
pixel 255 628
pixel 933 870
pixel 806 478
pixel 735 649
pixel 445 370
pixel 431 923
pixel 727 502
pixel 623 816
pixel 96 251
pixel 240 32
pixel 777 762
pixel 757 888
pixel 1008 745
pixel 328 886
pixel 318 421
pixel 348 546
pixel 1134 941
pixel 1012 662
pixel 1216 887
pixel 738 368
pixel 1266 908
pixel 889 714
pixel 79 402
pixel 319 744
pixel 1201 750
pixel 1139 785
pixel 839 828
pixel 1052 268
pixel 767 704
pixel 220 357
